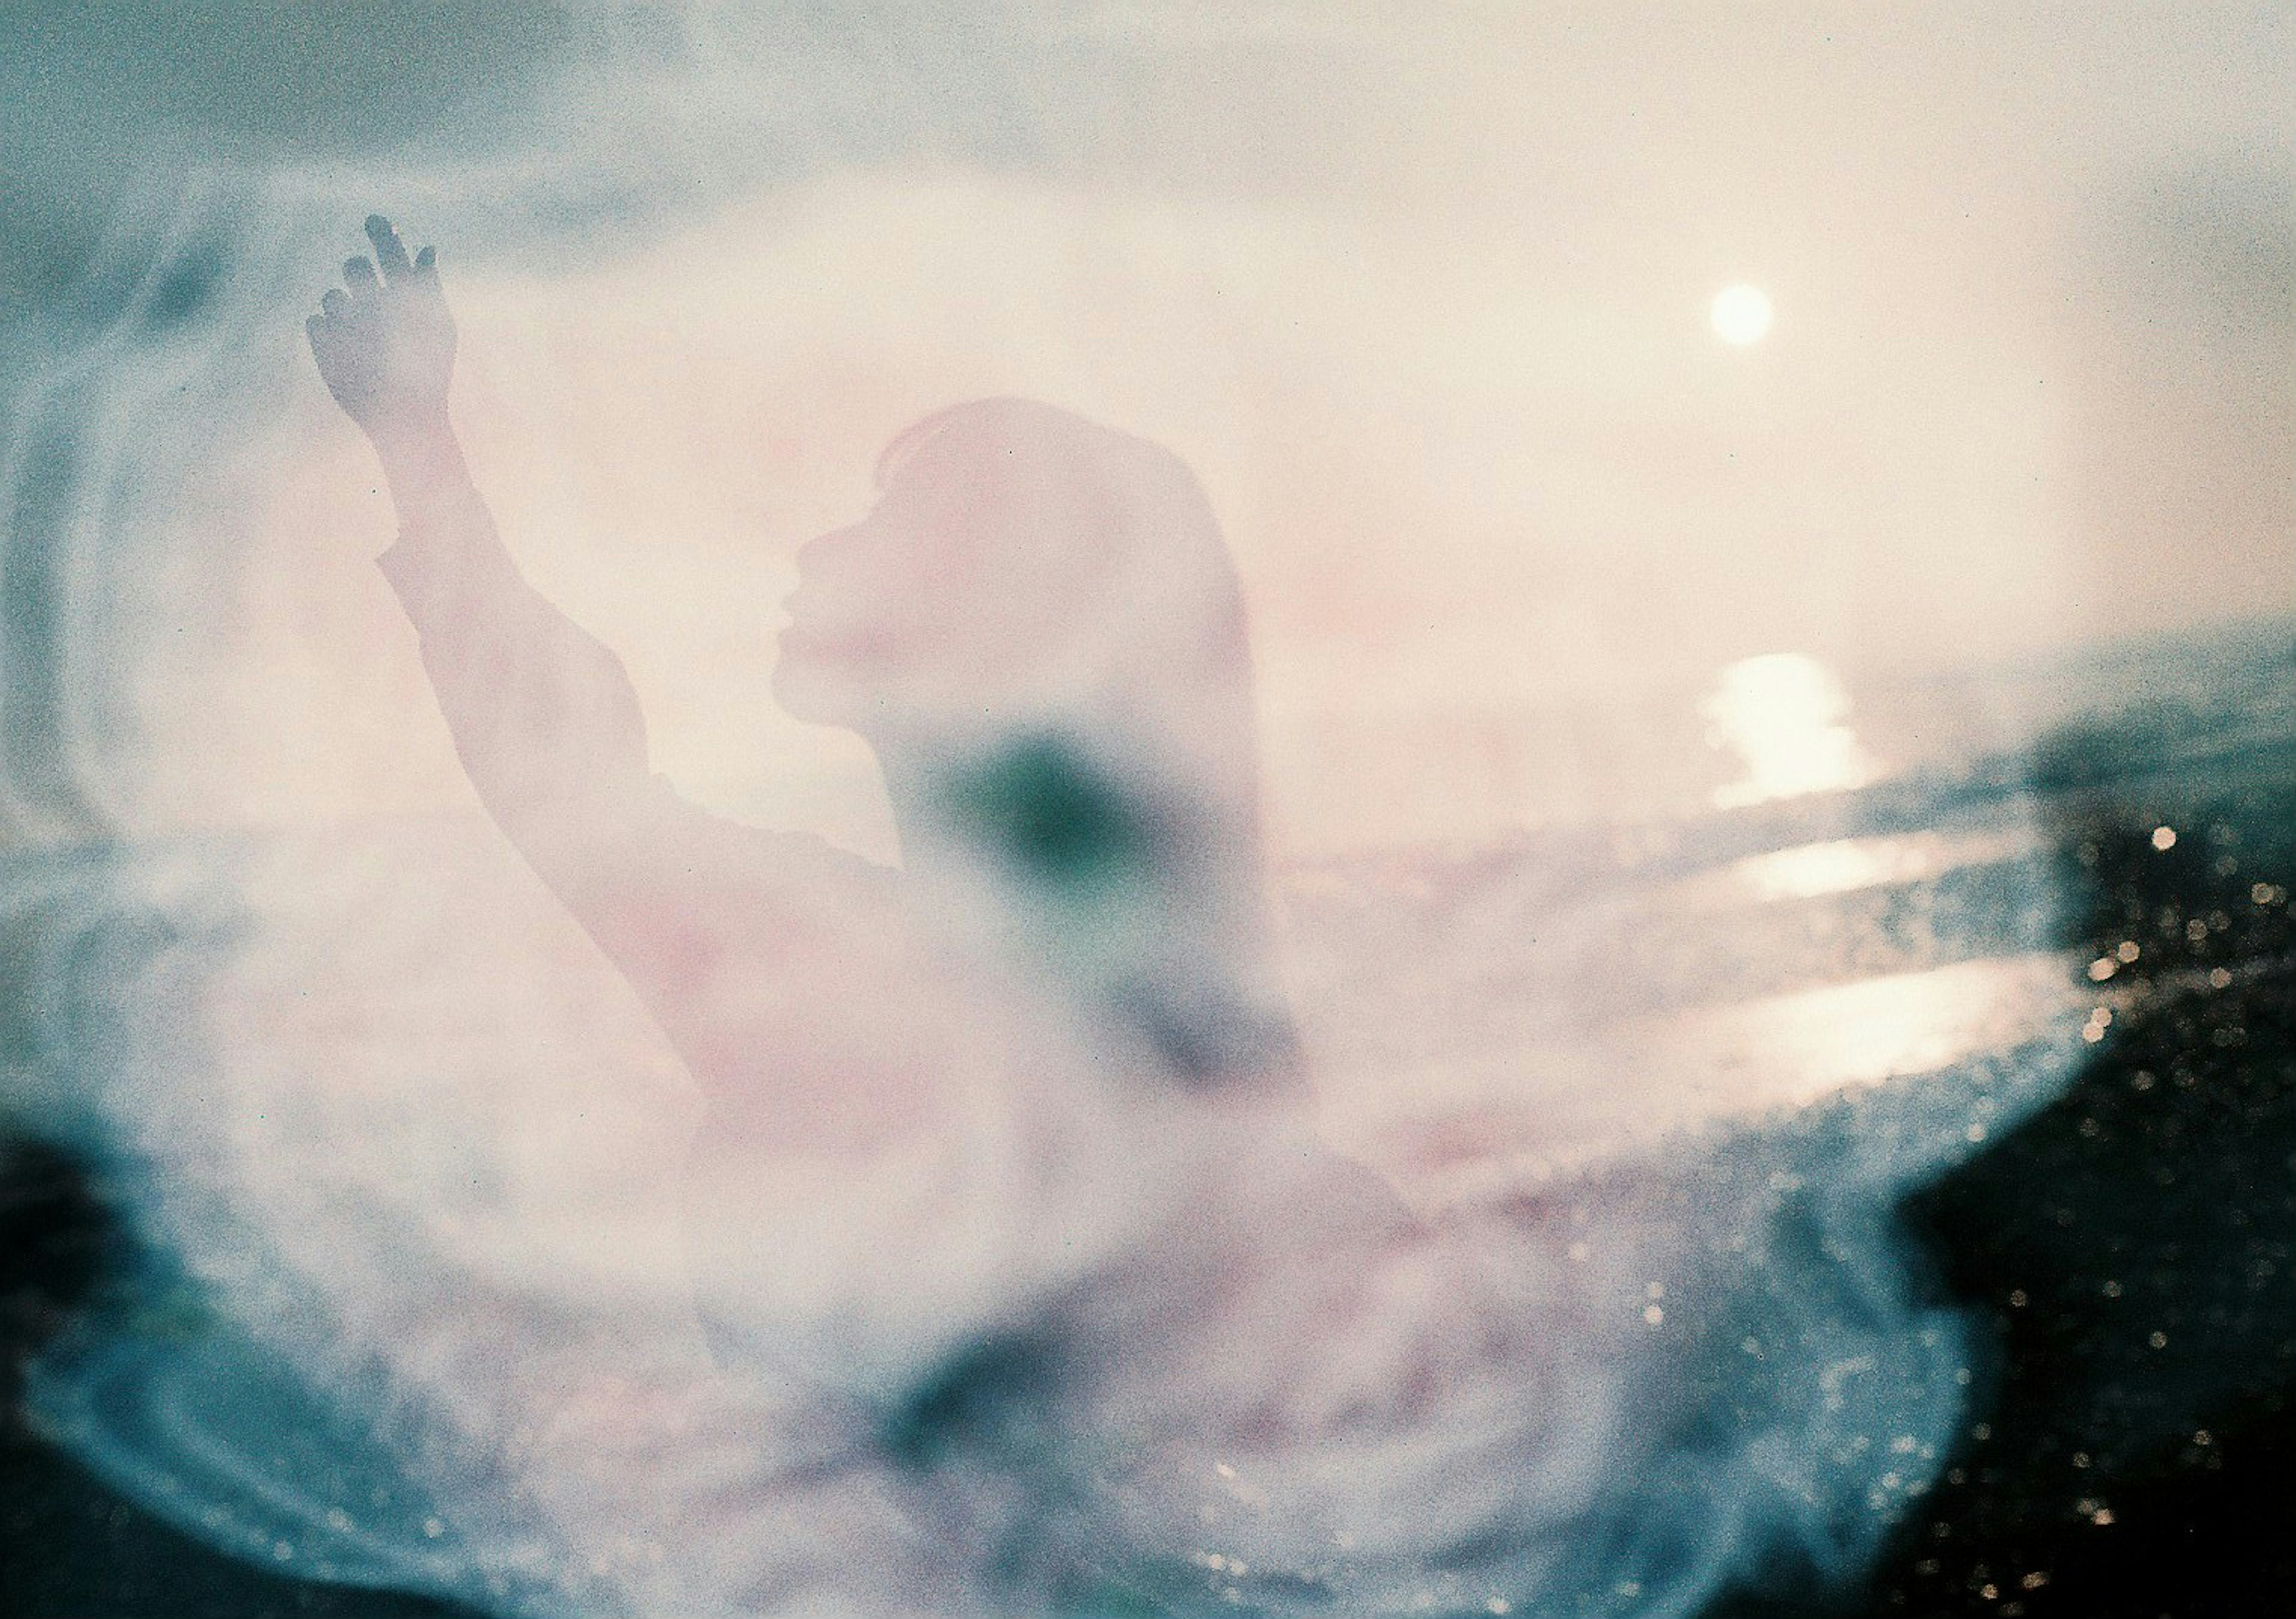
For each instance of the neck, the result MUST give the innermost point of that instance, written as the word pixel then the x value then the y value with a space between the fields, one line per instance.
pixel 1038 854
pixel 916 786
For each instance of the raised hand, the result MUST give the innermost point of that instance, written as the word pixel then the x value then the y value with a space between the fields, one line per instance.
pixel 385 343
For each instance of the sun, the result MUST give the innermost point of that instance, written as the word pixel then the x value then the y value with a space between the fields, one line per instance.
pixel 1741 315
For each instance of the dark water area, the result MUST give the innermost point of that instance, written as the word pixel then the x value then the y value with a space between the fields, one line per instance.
pixel 2130 1250
pixel 2127 1252
pixel 2132 1244
pixel 69 1544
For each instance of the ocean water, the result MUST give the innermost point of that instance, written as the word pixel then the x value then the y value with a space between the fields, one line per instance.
pixel 1902 1173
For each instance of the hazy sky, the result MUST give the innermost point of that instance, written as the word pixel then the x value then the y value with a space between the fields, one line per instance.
pixel 1420 290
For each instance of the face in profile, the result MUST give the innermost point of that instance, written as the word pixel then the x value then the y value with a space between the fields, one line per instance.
pixel 966 593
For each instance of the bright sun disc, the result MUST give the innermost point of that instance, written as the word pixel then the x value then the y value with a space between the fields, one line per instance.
pixel 1741 315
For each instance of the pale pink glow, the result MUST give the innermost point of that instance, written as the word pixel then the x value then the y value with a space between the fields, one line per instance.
pixel 1129 816
pixel 1029 1112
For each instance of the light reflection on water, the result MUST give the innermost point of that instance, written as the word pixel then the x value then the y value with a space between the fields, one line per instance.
pixel 1785 715
pixel 1846 864
pixel 1722 1068
pixel 1790 1049
pixel 1637 1007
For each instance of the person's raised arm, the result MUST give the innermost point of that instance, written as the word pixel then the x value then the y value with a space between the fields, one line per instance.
pixel 706 918
pixel 543 717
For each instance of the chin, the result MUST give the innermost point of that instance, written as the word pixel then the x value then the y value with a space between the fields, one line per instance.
pixel 818 691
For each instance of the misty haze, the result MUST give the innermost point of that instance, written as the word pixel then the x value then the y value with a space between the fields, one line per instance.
pixel 1146 809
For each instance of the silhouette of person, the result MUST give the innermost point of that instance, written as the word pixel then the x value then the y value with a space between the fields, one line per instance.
pixel 1001 1167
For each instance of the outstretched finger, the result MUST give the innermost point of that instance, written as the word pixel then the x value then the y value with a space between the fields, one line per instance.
pixel 335 300
pixel 389 251
pixel 426 262
pixel 360 275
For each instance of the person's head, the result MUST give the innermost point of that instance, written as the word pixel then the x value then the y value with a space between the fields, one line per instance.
pixel 1039 630
pixel 1019 561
